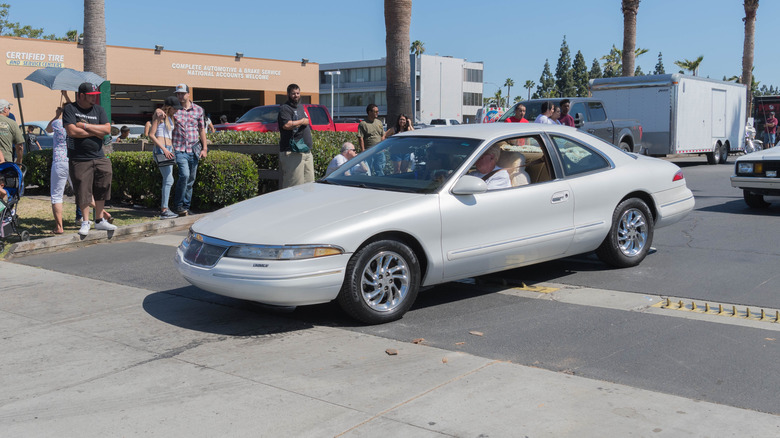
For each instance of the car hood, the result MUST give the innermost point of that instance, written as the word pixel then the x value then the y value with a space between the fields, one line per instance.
pixel 302 214
pixel 766 154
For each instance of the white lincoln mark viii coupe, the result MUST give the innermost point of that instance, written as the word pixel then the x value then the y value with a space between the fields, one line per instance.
pixel 439 211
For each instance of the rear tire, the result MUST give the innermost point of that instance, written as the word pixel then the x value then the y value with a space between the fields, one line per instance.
pixel 724 155
pixel 714 156
pixel 630 236
pixel 625 146
pixel 754 200
pixel 381 283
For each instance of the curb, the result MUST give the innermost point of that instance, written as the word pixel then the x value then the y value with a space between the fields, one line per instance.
pixel 75 240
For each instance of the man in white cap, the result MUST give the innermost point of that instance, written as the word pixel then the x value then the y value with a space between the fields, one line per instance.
pixel 10 135
pixel 189 146
pixel 86 123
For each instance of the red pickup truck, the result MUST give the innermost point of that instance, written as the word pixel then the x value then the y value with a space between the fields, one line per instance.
pixel 263 119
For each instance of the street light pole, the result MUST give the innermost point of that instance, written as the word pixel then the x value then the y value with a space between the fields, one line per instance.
pixel 331 73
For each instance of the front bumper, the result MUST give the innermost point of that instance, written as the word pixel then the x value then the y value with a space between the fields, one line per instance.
pixel 274 282
pixel 757 184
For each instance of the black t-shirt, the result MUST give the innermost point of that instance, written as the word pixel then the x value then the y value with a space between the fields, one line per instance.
pixel 288 112
pixel 90 148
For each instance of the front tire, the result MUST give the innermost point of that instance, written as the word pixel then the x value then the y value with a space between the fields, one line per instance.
pixel 630 236
pixel 754 200
pixel 381 283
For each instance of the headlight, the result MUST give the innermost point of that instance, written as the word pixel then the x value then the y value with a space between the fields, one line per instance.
pixel 745 168
pixel 291 252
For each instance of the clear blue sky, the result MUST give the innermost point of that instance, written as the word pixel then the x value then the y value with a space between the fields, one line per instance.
pixel 512 38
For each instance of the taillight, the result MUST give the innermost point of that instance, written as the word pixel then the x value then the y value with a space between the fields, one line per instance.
pixel 678 176
pixel 640 133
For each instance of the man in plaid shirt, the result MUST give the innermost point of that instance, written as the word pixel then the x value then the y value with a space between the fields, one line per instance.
pixel 189 145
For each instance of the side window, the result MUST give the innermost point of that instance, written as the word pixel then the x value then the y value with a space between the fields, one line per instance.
pixel 318 116
pixel 525 160
pixel 579 108
pixel 596 112
pixel 578 158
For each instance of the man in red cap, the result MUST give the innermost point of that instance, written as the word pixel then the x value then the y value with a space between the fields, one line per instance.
pixel 90 171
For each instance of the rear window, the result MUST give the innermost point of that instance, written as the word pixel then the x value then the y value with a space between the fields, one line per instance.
pixel 438 122
pixel 318 116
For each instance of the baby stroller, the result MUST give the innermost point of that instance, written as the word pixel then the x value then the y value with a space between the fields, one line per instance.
pixel 12 181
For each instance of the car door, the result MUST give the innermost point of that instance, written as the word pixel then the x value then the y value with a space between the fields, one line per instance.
pixel 505 228
pixel 590 175
pixel 598 124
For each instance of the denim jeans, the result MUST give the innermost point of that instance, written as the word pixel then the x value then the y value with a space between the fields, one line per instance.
pixel 378 162
pixel 167 183
pixel 188 168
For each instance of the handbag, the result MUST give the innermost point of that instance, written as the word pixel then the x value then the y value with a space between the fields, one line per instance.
pixel 161 159
pixel 299 145
pixel 159 155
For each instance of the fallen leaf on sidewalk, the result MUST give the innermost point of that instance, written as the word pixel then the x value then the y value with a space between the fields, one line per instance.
pixel 770 339
pixel 418 341
pixel 391 351
pixel 443 360
pixel 476 333
pixel 459 343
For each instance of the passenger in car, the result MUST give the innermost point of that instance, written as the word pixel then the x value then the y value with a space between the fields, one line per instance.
pixel 487 168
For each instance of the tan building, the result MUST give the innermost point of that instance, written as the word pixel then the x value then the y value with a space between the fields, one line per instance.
pixel 142 78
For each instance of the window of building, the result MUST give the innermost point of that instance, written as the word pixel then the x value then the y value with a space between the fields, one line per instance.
pixel 472 75
pixel 473 99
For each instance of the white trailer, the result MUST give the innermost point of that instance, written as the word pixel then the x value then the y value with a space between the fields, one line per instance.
pixel 680 114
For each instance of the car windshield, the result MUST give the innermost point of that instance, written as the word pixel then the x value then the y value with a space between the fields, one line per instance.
pixel 418 164
pixel 262 114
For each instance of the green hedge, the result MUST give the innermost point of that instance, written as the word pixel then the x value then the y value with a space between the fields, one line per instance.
pixel 224 178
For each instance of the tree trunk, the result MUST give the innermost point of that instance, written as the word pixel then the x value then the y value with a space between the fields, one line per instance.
pixel 398 18
pixel 747 51
pixel 630 8
pixel 95 37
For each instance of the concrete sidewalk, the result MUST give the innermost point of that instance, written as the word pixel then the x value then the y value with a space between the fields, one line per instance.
pixel 84 357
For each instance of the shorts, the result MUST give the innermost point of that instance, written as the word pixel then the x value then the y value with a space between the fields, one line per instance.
pixel 91 179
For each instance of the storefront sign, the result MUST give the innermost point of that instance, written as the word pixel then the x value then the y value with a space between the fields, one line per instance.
pixel 217 71
pixel 39 60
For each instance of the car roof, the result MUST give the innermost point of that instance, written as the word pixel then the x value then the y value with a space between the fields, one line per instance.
pixel 487 131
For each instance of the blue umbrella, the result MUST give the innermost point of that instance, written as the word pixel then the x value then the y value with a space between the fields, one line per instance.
pixel 58 78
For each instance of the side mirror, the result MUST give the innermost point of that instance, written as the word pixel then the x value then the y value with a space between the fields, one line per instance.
pixel 578 120
pixel 469 185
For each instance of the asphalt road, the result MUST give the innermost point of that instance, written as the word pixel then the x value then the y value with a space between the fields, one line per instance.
pixel 723 252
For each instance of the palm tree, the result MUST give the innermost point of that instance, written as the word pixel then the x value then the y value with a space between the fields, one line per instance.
pixel 528 85
pixel 630 8
pixel 398 17
pixel 691 66
pixel 95 37
pixel 417 48
pixel 751 6
pixel 509 83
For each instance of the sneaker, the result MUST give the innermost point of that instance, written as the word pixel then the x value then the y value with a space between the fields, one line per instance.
pixel 183 212
pixel 105 225
pixel 84 230
pixel 168 214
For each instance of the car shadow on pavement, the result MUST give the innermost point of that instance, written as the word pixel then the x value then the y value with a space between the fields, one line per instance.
pixel 193 309
pixel 738 206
